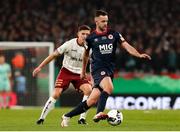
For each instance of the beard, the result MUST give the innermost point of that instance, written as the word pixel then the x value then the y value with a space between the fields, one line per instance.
pixel 103 28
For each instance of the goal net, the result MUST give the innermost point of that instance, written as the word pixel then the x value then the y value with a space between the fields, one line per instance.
pixel 23 58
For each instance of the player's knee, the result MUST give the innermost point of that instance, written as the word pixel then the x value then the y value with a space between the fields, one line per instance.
pixel 109 89
pixel 57 93
pixel 88 91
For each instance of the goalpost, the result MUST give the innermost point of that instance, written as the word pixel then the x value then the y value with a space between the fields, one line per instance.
pixel 34 53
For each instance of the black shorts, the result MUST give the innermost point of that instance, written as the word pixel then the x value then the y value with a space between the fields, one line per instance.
pixel 99 75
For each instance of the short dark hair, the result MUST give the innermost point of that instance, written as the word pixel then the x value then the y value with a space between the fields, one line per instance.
pixel 100 13
pixel 83 27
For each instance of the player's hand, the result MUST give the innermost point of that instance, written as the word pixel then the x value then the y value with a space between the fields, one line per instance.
pixel 145 56
pixel 36 71
pixel 83 75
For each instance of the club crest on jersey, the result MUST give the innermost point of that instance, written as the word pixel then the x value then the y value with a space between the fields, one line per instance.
pixel 110 36
pixel 103 73
pixel 95 40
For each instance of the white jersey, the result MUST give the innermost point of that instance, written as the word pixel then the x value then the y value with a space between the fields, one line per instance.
pixel 73 54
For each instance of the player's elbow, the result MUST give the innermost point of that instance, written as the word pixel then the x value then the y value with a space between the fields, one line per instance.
pixel 55 54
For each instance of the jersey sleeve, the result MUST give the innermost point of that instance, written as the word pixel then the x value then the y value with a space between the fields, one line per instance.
pixel 64 47
pixel 119 37
pixel 88 44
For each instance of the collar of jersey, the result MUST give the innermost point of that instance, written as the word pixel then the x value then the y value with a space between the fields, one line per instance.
pixel 102 33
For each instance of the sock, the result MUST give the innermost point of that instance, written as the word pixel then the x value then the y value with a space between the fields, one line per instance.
pixel 48 107
pixel 82 107
pixel 83 115
pixel 102 102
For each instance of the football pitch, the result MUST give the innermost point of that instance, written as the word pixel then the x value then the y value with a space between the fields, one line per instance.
pixel 134 120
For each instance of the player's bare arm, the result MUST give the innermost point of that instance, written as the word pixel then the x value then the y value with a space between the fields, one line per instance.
pixel 45 62
pixel 131 50
pixel 85 61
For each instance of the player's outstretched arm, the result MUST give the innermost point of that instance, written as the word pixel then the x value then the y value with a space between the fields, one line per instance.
pixel 85 61
pixel 131 50
pixel 45 62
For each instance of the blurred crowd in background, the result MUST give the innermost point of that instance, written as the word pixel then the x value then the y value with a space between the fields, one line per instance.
pixel 150 26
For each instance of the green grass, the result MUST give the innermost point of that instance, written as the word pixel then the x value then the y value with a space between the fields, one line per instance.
pixel 134 120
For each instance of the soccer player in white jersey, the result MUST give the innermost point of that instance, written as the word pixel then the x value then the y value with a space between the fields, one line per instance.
pixel 70 72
